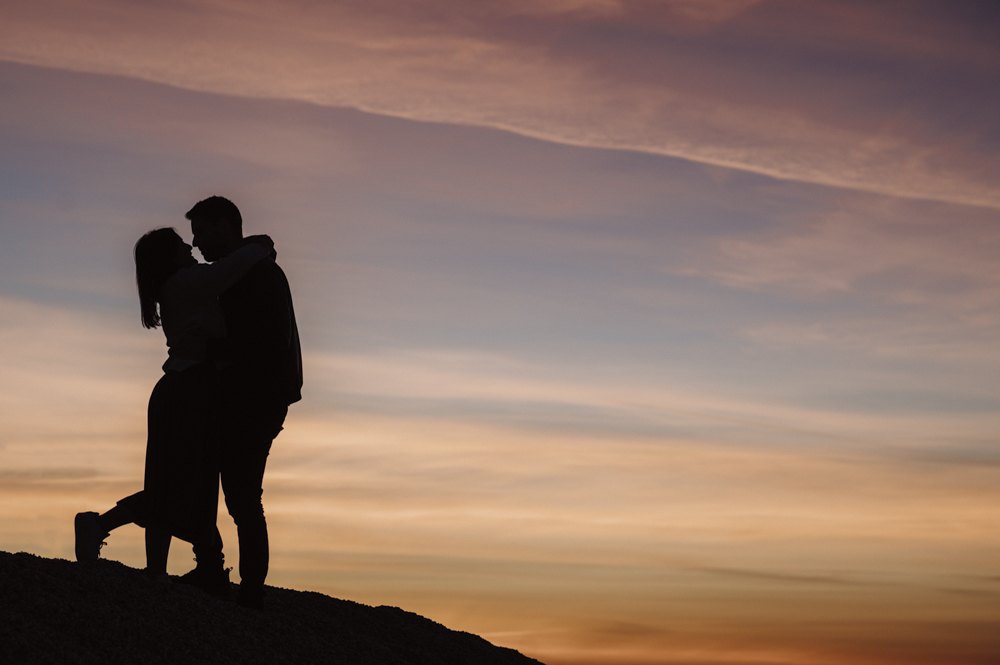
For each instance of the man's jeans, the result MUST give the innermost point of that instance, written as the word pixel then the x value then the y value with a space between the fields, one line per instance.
pixel 247 433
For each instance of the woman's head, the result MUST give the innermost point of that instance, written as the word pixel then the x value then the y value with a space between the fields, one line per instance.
pixel 158 255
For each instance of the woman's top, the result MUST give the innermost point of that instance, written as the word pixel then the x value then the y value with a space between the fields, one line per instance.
pixel 189 304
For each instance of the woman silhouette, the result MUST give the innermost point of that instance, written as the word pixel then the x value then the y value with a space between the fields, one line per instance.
pixel 180 492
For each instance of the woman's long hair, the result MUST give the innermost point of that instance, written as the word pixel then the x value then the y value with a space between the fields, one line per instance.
pixel 154 264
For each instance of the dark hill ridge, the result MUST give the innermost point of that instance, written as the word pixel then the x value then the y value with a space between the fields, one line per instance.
pixel 57 611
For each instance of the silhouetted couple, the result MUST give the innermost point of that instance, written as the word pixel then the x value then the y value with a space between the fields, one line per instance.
pixel 234 366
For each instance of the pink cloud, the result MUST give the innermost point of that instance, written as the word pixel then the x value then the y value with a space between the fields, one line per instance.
pixel 665 87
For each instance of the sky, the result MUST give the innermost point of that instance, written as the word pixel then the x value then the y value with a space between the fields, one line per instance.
pixel 635 332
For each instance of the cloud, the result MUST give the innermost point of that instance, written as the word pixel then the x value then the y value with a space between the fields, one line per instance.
pixel 470 389
pixel 711 10
pixel 918 280
pixel 582 74
pixel 464 380
pixel 74 387
pixel 45 476
pixel 902 252
pixel 772 576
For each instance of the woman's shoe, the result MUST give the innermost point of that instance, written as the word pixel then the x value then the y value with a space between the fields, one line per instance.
pixel 89 537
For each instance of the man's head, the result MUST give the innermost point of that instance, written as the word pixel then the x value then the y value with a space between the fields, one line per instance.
pixel 217 227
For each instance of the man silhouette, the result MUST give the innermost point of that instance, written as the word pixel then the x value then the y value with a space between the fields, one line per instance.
pixel 260 366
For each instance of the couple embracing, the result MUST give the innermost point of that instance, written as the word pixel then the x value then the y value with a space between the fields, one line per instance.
pixel 234 365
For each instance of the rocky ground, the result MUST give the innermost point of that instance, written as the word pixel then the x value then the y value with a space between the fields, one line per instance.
pixel 56 611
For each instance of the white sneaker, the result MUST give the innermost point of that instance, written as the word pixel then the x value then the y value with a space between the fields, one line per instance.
pixel 89 537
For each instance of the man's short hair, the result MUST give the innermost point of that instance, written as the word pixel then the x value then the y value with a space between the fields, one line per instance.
pixel 215 208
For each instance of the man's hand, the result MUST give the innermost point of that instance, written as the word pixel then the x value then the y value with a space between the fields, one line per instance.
pixel 264 240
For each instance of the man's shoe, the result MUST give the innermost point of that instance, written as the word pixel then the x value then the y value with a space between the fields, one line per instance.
pixel 89 537
pixel 213 581
pixel 251 597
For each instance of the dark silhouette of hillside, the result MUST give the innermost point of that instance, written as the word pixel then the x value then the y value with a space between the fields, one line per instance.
pixel 57 611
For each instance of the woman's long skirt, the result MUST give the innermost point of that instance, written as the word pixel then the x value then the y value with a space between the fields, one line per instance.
pixel 181 488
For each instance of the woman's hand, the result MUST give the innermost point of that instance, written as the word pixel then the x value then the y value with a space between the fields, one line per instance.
pixel 264 240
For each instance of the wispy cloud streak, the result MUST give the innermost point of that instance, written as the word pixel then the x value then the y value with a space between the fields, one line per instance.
pixel 724 83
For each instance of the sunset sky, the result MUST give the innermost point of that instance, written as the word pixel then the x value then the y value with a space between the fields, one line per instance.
pixel 636 332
